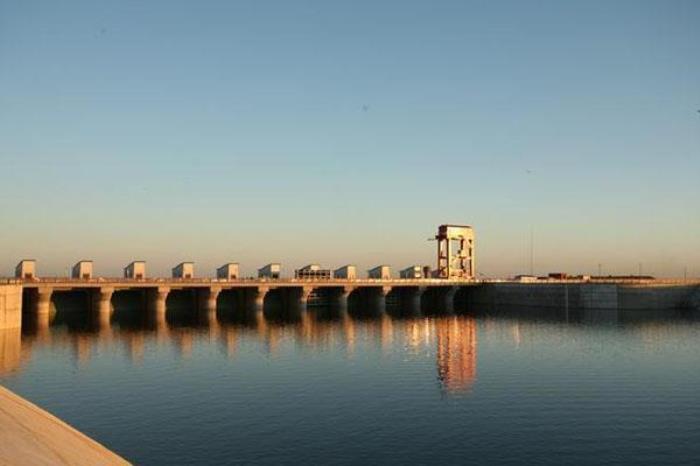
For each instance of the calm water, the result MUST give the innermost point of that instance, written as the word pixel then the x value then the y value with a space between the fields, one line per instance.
pixel 515 388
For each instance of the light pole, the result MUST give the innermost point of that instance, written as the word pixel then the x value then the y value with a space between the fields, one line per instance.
pixel 529 173
pixel 532 250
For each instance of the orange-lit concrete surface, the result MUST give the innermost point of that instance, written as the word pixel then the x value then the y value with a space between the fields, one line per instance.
pixel 37 293
pixel 31 436
pixel 10 305
pixel 35 297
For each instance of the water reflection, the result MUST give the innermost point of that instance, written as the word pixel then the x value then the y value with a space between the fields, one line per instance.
pixel 450 341
pixel 496 386
pixel 456 353
pixel 10 350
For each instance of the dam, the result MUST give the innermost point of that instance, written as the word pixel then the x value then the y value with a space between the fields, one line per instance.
pixel 414 327
pixel 451 287
pixel 34 299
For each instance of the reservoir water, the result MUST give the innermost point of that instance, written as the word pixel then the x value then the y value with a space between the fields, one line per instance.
pixel 517 387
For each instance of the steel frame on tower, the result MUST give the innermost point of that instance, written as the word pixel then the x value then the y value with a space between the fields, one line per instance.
pixel 459 263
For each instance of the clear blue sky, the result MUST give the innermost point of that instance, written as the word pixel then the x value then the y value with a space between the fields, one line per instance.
pixel 339 132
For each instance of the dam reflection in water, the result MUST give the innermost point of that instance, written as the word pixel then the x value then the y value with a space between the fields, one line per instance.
pixel 452 338
pixel 507 387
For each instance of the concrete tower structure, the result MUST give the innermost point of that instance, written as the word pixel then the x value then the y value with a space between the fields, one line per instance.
pixel 26 269
pixel 82 270
pixel 455 252
pixel 228 271
pixel 347 271
pixel 136 270
pixel 273 270
pixel 184 270
pixel 382 272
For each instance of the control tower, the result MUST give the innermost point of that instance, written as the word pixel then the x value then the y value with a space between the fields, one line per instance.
pixel 455 252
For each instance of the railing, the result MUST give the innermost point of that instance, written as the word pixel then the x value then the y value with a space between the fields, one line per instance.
pixel 249 280
pixel 10 281
pixel 339 281
pixel 616 281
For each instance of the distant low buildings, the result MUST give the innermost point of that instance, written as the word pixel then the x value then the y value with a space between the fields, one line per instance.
pixel 525 278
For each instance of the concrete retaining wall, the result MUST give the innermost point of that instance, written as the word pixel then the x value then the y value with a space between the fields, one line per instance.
pixel 597 296
pixel 694 300
pixel 10 306
pixel 655 296
pixel 520 294
pixel 585 295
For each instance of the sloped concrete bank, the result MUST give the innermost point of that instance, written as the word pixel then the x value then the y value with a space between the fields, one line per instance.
pixel 645 296
pixel 32 436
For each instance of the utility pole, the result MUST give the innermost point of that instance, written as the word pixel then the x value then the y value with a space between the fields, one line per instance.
pixel 529 173
pixel 600 269
pixel 640 269
pixel 532 251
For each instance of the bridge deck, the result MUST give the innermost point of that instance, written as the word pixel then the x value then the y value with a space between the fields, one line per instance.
pixel 124 283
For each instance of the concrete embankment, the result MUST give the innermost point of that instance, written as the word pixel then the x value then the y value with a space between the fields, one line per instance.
pixel 576 295
pixel 31 436
pixel 10 305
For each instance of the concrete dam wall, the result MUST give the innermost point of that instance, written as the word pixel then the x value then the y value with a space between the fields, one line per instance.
pixel 548 295
pixel 645 296
pixel 10 306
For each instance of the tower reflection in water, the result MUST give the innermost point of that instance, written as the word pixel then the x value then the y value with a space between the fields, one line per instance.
pixel 450 340
pixel 456 353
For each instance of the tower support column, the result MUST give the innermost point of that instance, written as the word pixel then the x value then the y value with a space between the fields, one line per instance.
pixel 304 298
pixel 255 299
pixel 343 299
pixel 447 299
pixel 157 298
pixel 380 299
pixel 42 307
pixel 413 299
pixel 102 305
pixel 207 298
